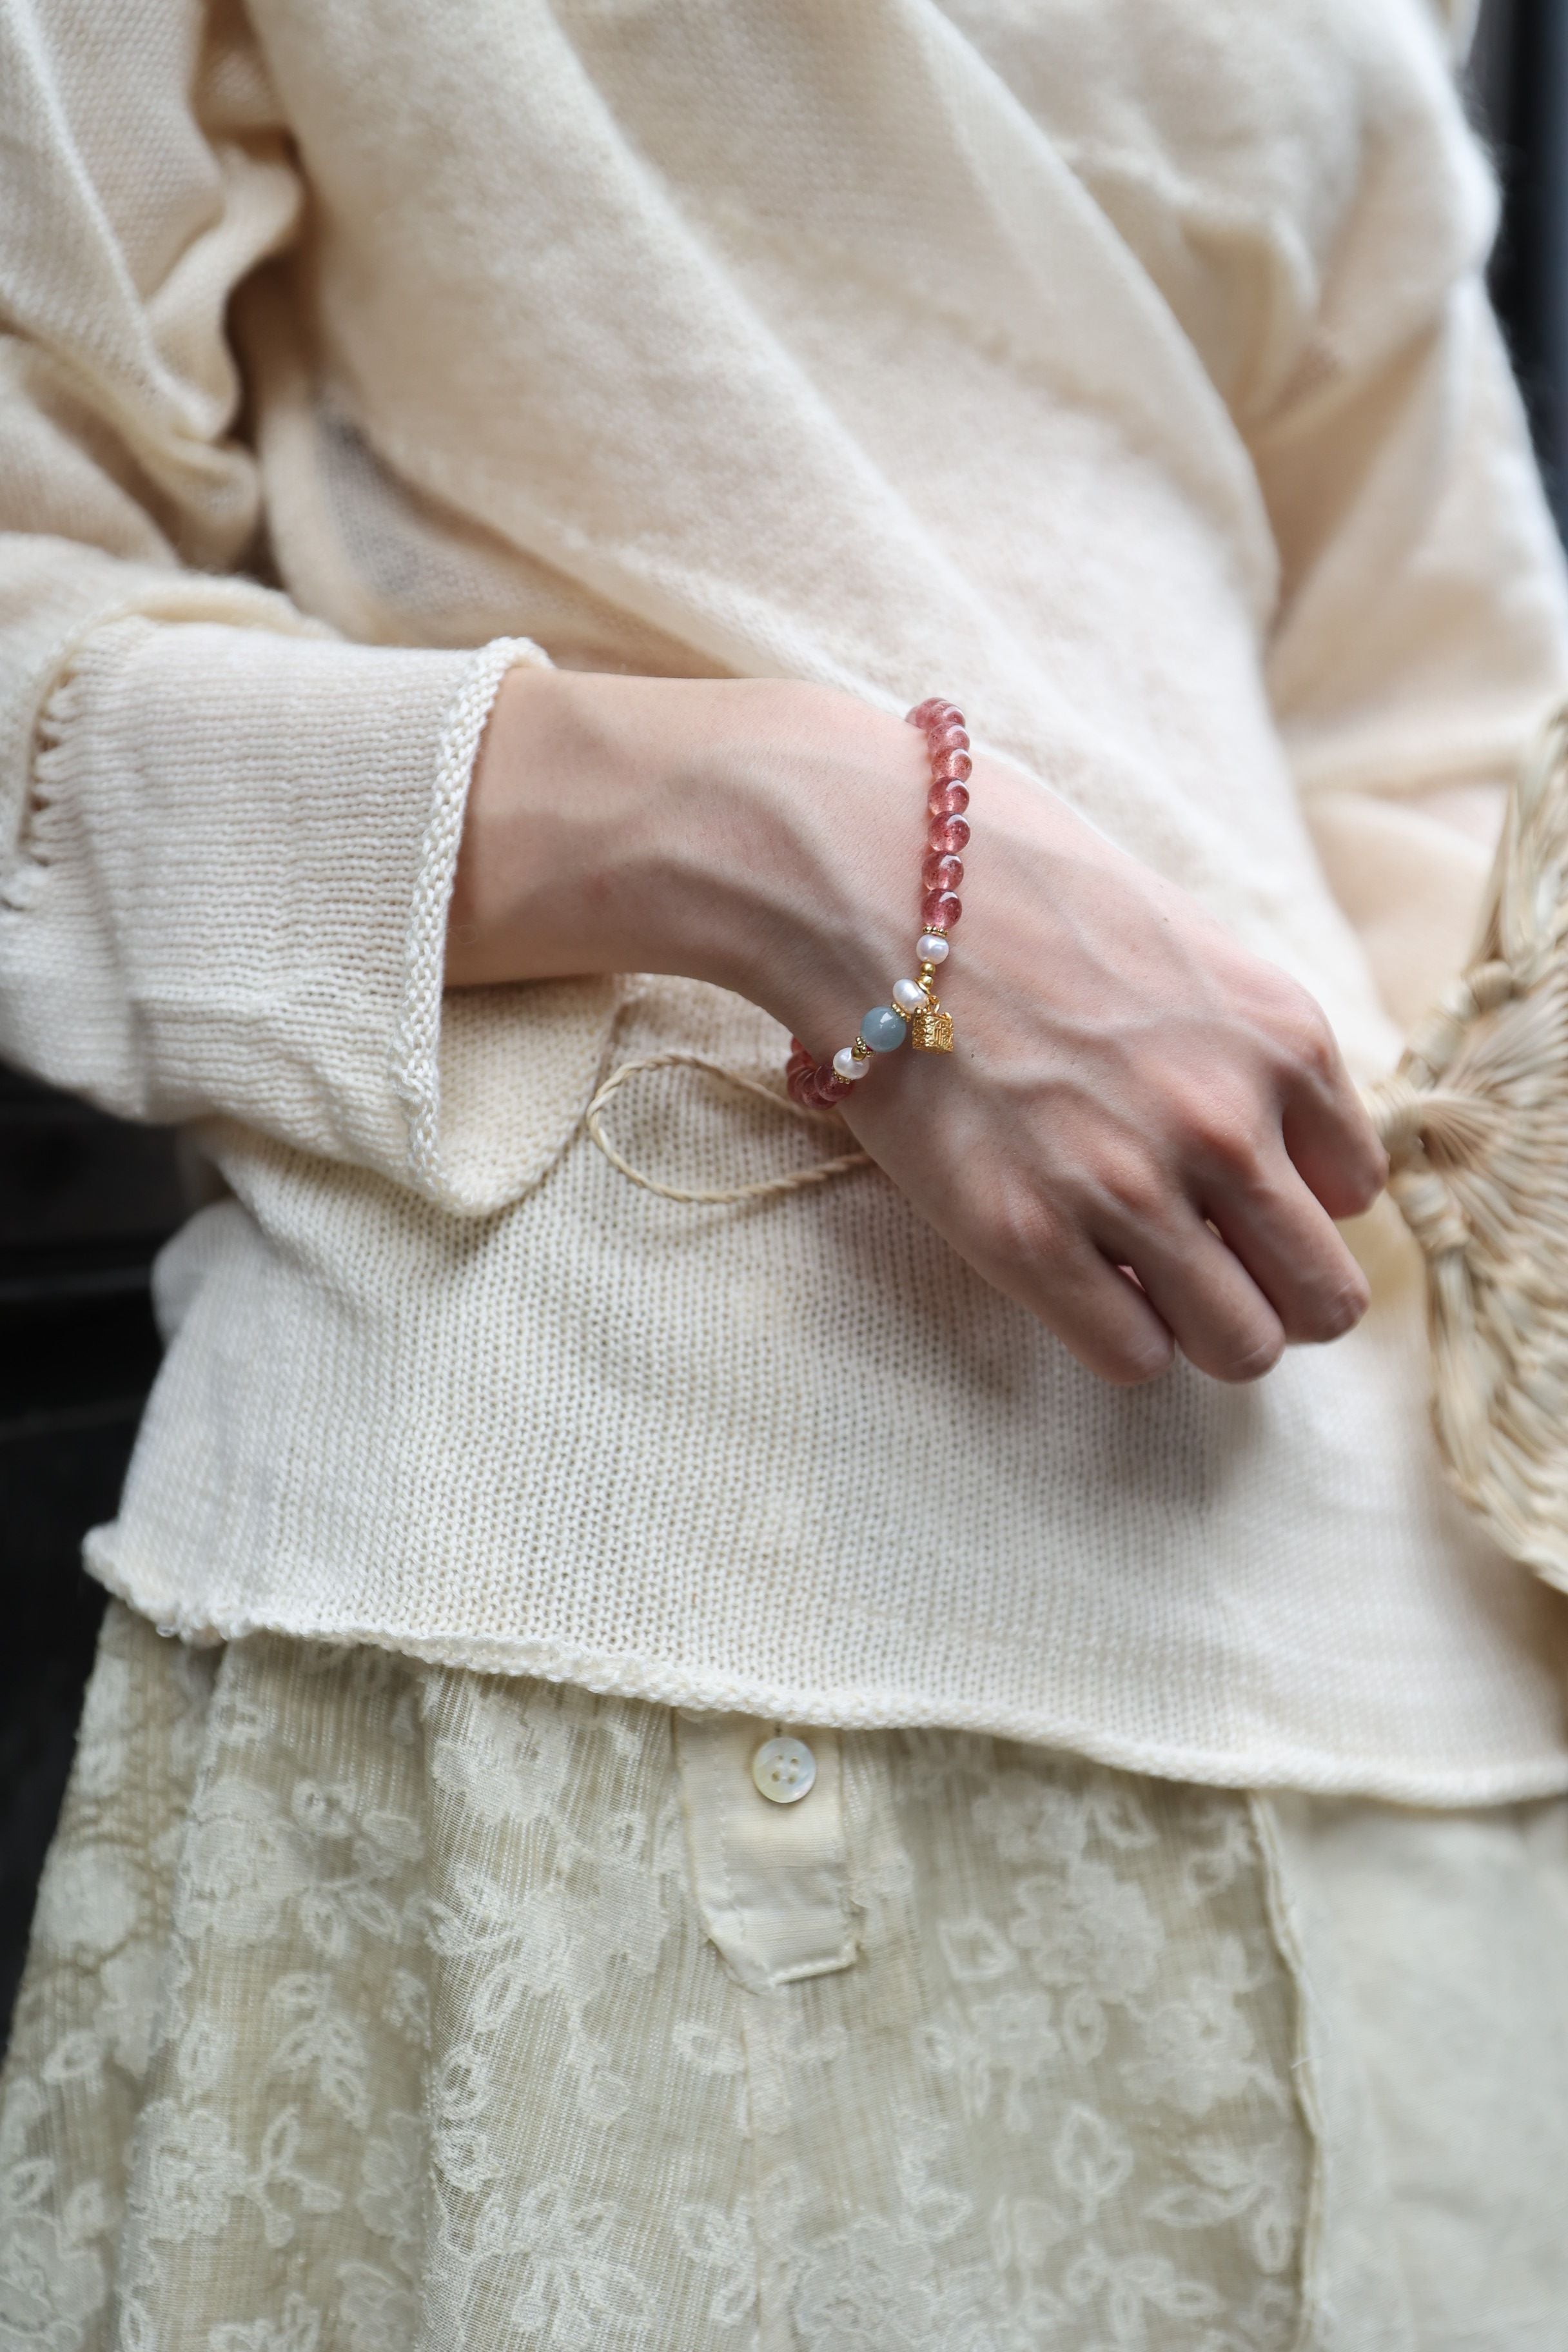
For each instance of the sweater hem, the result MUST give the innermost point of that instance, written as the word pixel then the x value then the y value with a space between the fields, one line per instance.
pixel 711 1689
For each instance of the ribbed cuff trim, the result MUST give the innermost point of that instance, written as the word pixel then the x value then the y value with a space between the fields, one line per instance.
pixel 417 1066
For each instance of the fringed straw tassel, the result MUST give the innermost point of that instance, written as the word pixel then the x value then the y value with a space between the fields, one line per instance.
pixel 1474 1121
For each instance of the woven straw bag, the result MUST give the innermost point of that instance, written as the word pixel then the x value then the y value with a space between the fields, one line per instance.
pixel 1474 1121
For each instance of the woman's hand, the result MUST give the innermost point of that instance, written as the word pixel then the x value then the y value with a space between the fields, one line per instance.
pixel 1144 1132
pixel 1131 1089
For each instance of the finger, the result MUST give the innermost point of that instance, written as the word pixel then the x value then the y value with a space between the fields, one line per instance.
pixel 1331 1139
pixel 1340 1160
pixel 1109 1324
pixel 1221 1321
pixel 1287 1242
pixel 1094 1310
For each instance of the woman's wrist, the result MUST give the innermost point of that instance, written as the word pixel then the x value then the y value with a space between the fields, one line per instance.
pixel 1168 1103
pixel 742 832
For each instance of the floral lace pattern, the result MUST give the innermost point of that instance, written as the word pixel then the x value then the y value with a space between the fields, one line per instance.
pixel 370 2008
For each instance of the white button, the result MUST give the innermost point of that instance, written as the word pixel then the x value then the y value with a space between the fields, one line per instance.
pixel 784 1770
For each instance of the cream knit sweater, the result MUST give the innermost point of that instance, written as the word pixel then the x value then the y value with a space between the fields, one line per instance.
pixel 1120 367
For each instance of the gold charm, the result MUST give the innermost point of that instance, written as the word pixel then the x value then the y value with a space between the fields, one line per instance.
pixel 931 1032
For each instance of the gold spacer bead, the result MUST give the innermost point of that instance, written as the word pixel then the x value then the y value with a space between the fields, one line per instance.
pixel 861 1051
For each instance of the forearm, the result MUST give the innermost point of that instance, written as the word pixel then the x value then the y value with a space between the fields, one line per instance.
pixel 743 832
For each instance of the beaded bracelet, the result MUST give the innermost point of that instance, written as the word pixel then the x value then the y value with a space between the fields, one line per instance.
pixel 915 1012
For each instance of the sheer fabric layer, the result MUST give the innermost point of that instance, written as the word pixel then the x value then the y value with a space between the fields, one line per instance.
pixel 375 2004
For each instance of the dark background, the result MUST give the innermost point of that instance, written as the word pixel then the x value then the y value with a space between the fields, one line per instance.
pixel 85 1202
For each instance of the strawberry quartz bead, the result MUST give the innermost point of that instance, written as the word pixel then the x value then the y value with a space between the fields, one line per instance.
pixel 801 1073
pixel 951 736
pixel 952 767
pixel 940 910
pixel 948 835
pixel 941 872
pixel 831 1088
pixel 927 713
pixel 948 800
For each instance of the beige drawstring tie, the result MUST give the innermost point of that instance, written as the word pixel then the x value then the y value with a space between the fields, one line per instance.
pixel 1475 1122
pixel 819 1171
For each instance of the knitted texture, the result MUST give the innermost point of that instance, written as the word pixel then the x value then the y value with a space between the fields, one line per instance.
pixel 416 1071
pixel 873 346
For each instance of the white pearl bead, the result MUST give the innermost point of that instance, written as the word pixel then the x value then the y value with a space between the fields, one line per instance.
pixel 931 948
pixel 846 1065
pixel 908 996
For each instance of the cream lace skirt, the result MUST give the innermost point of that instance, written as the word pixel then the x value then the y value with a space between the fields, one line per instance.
pixel 374 2005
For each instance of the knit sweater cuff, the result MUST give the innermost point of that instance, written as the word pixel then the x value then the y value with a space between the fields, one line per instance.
pixel 232 902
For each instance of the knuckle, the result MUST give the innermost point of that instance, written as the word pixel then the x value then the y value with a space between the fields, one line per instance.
pixel 1302 1031
pixel 1249 1356
pixel 1134 1366
pixel 1340 1310
pixel 1348 1182
pixel 1225 1138
pixel 1131 1187
pixel 1022 1227
pixel 1365 1180
pixel 1327 1293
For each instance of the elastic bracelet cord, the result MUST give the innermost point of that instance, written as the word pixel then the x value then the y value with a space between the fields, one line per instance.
pixel 815 1089
pixel 915 1011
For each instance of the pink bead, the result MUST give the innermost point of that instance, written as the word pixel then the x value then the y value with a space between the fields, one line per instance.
pixel 830 1087
pixel 948 836
pixel 941 872
pixel 948 798
pixel 926 714
pixel 947 738
pixel 939 910
pixel 798 1083
pixel 952 768
pixel 948 714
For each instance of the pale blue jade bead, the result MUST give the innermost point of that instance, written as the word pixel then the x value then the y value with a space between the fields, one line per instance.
pixel 883 1029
